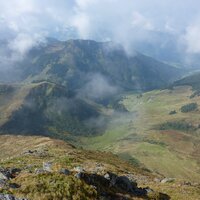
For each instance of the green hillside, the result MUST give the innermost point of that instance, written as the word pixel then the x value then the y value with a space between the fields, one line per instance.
pixel 44 108
pixel 156 132
pixel 191 80
pixel 74 62
pixel 72 88
pixel 41 168
pixel 97 97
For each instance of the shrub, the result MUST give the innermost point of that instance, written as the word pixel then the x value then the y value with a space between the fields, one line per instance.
pixel 173 112
pixel 178 125
pixel 189 107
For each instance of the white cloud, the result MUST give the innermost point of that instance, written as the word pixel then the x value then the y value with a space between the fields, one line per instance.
pixel 125 22
pixel 139 21
pixel 192 38
pixel 97 87
pixel 22 43
pixel 82 22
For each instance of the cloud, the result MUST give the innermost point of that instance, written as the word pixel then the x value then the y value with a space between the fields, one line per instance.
pixel 139 21
pixel 97 87
pixel 32 20
pixel 22 43
pixel 191 38
pixel 125 22
pixel 107 20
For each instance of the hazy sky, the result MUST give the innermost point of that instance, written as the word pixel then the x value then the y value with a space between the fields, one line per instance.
pixel 28 22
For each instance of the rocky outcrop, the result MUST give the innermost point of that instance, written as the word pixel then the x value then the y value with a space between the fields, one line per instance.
pixel 9 197
pixel 108 186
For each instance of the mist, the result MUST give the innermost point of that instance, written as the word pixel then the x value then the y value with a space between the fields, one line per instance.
pixel 97 87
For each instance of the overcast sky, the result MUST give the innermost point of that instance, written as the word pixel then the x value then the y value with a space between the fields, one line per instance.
pixel 28 22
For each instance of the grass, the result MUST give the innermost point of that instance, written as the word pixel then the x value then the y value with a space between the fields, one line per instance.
pixel 169 151
pixel 57 186
pixel 53 186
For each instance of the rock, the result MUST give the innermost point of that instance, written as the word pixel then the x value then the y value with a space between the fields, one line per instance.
pixel 14 186
pixel 64 171
pixel 37 152
pixel 79 169
pixel 123 183
pixel 3 176
pixel 99 165
pixel 14 172
pixel 79 175
pixel 111 177
pixel 99 168
pixel 157 180
pixel 6 174
pixel 95 180
pixel 167 180
pixel 9 197
pixel 30 152
pixel 40 171
pixel 3 184
pixel 149 190
pixel 107 176
pixel 187 183
pixel 47 166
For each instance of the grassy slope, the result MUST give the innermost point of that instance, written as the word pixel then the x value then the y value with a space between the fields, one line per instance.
pixel 64 155
pixel 171 152
pixel 44 108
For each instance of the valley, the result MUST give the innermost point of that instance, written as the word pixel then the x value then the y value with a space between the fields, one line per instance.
pixel 172 151
pixel 66 92
pixel 145 114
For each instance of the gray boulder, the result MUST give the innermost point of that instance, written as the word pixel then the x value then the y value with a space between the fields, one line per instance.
pixel 168 180
pixel 79 169
pixel 47 166
pixel 3 184
pixel 64 171
pixel 121 182
pixel 3 176
pixel 9 197
pixel 40 171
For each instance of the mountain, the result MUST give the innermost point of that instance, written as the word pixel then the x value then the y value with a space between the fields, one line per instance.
pixel 44 109
pixel 43 168
pixel 75 62
pixel 97 97
pixel 190 80
pixel 70 88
